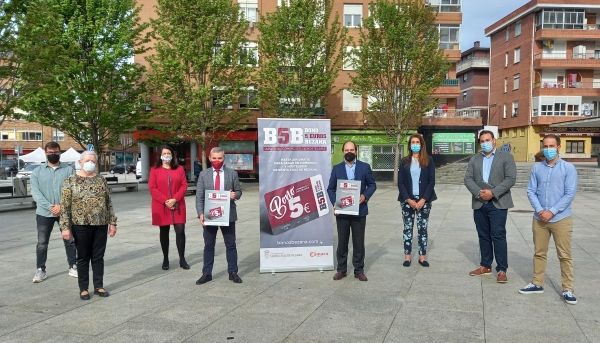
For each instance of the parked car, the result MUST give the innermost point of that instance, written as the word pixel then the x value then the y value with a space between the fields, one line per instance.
pixel 121 169
pixel 25 173
pixel 10 167
pixel 138 170
pixel 131 168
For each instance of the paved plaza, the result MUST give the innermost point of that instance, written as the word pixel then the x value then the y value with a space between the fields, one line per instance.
pixel 441 303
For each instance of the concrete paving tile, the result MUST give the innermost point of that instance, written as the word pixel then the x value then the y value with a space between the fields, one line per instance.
pixel 148 332
pixel 50 336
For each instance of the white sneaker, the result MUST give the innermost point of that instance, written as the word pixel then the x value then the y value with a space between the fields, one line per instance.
pixel 73 271
pixel 40 275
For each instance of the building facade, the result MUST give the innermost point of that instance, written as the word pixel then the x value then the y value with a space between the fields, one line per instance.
pixel 473 73
pixel 544 71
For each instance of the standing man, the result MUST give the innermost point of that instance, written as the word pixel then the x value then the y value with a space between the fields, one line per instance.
pixel 218 177
pixel 352 169
pixel 197 168
pixel 551 190
pixel 46 186
pixel 489 177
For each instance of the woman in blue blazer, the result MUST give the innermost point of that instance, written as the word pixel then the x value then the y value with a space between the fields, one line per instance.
pixel 416 179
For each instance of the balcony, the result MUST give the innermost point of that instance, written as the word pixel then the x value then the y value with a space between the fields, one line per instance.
pixel 449 89
pixel 589 60
pixel 451 113
pixel 450 82
pixel 452 117
pixel 475 62
pixel 566 88
pixel 582 32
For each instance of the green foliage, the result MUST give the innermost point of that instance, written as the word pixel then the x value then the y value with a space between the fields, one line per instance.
pixel 199 67
pixel 77 69
pixel 302 46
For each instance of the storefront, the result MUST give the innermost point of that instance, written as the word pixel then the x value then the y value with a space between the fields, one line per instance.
pixel 447 144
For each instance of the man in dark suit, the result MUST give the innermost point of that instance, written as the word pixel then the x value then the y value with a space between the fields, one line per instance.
pixel 219 177
pixel 352 169
pixel 489 177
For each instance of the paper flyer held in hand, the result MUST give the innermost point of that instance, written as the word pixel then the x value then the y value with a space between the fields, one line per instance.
pixel 347 197
pixel 216 208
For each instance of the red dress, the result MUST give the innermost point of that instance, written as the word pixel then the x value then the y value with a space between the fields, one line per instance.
pixel 159 191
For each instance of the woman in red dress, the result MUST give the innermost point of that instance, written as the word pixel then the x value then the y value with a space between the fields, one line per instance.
pixel 168 185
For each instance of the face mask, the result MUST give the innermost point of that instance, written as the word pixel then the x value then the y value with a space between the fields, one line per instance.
pixel 54 158
pixel 550 153
pixel 487 146
pixel 415 147
pixel 166 158
pixel 89 166
pixel 217 164
pixel 350 156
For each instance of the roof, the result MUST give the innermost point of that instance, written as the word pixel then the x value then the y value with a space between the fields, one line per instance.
pixel 590 122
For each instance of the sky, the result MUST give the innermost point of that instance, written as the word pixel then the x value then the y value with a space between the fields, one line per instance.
pixel 479 14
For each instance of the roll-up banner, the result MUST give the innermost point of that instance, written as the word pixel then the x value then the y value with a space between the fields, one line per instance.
pixel 296 232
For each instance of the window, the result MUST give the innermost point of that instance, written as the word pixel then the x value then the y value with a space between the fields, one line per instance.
pixel 464 96
pixel 219 98
pixel 249 10
pixel 518 29
pixel 522 132
pixel 350 59
pixel 560 109
pixel 505 84
pixel 507 33
pixel 575 147
pixel 513 132
pixel 351 102
pixel 572 110
pixel 28 136
pixel 546 110
pixel 516 81
pixel 449 37
pixel 506 60
pixel 515 109
pixel 250 99
pixel 383 157
pixel 58 136
pixel 569 19
pixel 352 15
pixel 504 112
pixel 249 54
pixel 517 57
pixel 465 77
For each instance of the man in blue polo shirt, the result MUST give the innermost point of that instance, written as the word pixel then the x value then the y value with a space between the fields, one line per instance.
pixel 551 190
pixel 46 186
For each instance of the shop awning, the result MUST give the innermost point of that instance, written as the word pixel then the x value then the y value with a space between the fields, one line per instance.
pixel 591 122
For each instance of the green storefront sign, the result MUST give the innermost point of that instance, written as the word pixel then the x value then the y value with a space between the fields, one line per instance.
pixel 453 143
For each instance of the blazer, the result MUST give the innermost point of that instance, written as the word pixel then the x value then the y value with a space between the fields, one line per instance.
pixel 158 185
pixel 503 176
pixel 363 174
pixel 205 182
pixel 426 182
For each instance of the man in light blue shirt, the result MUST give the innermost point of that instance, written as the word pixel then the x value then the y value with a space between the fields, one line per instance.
pixel 46 187
pixel 551 190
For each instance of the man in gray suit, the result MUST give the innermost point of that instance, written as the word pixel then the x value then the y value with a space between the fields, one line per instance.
pixel 489 177
pixel 218 177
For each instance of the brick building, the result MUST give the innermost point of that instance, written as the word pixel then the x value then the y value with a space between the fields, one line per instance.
pixel 545 76
pixel 473 73
pixel 344 109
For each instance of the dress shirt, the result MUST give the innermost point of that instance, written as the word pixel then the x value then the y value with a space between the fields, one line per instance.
pixel 221 177
pixel 46 186
pixel 487 165
pixel 350 169
pixel 552 188
pixel 415 174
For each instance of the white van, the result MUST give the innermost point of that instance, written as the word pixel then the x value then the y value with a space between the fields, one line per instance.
pixel 138 170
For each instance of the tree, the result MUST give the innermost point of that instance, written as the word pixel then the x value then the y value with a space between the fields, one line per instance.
pixel 11 13
pixel 398 65
pixel 200 67
pixel 302 47
pixel 77 70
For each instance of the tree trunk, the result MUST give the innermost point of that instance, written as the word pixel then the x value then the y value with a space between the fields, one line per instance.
pixel 203 149
pixel 397 158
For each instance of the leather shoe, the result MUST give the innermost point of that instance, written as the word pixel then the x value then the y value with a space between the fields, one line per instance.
pixel 235 277
pixel 406 263
pixel 101 292
pixel 165 265
pixel 204 279
pixel 85 296
pixel 339 276
pixel 424 263
pixel 361 277
pixel 183 264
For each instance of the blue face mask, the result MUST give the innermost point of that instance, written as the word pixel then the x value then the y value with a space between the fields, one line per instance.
pixel 487 146
pixel 550 153
pixel 415 147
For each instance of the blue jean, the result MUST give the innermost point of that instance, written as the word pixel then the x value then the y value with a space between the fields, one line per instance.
pixel 491 228
pixel 210 238
pixel 44 229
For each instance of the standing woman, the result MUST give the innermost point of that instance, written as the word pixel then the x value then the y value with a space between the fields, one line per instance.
pixel 87 212
pixel 168 185
pixel 416 179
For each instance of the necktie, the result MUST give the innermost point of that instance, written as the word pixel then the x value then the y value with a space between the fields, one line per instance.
pixel 218 181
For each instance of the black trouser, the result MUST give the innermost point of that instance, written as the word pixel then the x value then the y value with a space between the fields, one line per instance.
pixel 44 229
pixel 90 241
pixel 345 224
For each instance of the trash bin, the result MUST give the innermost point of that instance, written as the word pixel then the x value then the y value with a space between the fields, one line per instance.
pixel 19 187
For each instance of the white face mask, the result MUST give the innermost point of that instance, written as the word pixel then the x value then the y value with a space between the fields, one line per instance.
pixel 166 158
pixel 89 166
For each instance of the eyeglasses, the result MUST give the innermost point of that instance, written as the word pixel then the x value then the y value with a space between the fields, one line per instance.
pixel 52 152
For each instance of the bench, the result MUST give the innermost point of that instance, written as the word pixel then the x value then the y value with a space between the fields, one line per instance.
pixel 113 182
pixel 25 201
pixel 191 189
pixel 6 189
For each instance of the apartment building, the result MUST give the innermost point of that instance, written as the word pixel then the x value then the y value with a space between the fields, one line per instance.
pixel 344 109
pixel 473 72
pixel 545 77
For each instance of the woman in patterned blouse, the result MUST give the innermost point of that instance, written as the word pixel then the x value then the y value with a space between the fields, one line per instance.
pixel 87 212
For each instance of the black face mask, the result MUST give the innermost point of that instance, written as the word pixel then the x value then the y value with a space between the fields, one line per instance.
pixel 54 158
pixel 350 156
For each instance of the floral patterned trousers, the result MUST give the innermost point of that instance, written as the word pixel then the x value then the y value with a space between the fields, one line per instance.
pixel 408 215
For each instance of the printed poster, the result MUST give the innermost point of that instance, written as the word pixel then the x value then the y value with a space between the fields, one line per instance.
pixel 216 208
pixel 347 197
pixel 296 232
